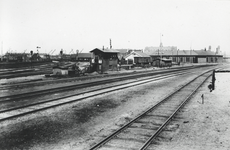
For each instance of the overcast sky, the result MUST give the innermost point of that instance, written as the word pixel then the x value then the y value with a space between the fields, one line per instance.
pixel 135 24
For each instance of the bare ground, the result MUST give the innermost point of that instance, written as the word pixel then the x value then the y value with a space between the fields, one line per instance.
pixel 79 125
pixel 203 126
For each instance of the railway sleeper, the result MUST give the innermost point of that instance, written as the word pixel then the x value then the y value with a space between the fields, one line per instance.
pixel 128 144
pixel 144 125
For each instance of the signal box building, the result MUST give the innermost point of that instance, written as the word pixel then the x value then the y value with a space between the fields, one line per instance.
pixel 105 59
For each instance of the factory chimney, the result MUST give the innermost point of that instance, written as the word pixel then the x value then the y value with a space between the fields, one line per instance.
pixel 110 42
pixel 209 48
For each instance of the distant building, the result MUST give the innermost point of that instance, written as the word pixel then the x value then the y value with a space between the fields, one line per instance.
pixel 208 57
pixel 55 57
pixel 84 57
pixel 183 56
pixel 226 58
pixel 138 58
pixel 105 59
pixel 15 57
pixel 44 56
pixel 124 52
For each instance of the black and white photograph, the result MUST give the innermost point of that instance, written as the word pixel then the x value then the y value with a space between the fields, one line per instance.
pixel 114 74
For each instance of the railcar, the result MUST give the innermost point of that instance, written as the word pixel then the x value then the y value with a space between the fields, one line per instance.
pixel 163 62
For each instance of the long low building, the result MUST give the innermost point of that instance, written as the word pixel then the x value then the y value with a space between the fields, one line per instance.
pixel 185 56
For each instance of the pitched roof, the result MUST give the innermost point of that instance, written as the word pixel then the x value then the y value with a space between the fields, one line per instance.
pixel 152 48
pixel 181 52
pixel 141 54
pixel 122 50
pixel 203 52
pixel 137 54
pixel 106 50
pixel 190 52
pixel 166 52
pixel 85 55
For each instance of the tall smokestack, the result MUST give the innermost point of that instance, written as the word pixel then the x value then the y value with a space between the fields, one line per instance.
pixel 110 42
pixel 209 48
pixel 218 50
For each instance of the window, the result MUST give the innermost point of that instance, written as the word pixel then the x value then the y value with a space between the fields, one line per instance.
pixel 211 59
pixel 174 59
pixel 187 59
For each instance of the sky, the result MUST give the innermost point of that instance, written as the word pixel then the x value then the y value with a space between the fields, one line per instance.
pixel 134 24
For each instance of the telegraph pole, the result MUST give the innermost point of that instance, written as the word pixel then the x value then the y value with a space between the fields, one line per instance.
pixel 213 80
pixel 38 48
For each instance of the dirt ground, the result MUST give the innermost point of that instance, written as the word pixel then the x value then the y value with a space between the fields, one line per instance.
pixel 203 126
pixel 77 126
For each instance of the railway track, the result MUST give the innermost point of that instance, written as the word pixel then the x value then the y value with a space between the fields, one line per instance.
pixel 74 86
pixel 37 83
pixel 12 73
pixel 139 133
pixel 23 73
pixel 9 113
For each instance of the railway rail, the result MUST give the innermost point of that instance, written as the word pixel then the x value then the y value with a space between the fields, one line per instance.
pixel 26 71
pixel 80 85
pixel 43 82
pixel 26 95
pixel 18 111
pixel 141 132
pixel 22 73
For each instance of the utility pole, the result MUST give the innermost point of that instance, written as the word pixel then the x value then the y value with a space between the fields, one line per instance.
pixel 213 80
pixel 38 48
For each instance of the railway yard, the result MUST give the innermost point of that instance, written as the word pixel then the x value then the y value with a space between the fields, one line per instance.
pixel 167 108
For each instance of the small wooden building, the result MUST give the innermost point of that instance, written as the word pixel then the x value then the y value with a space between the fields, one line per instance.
pixel 138 58
pixel 105 59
